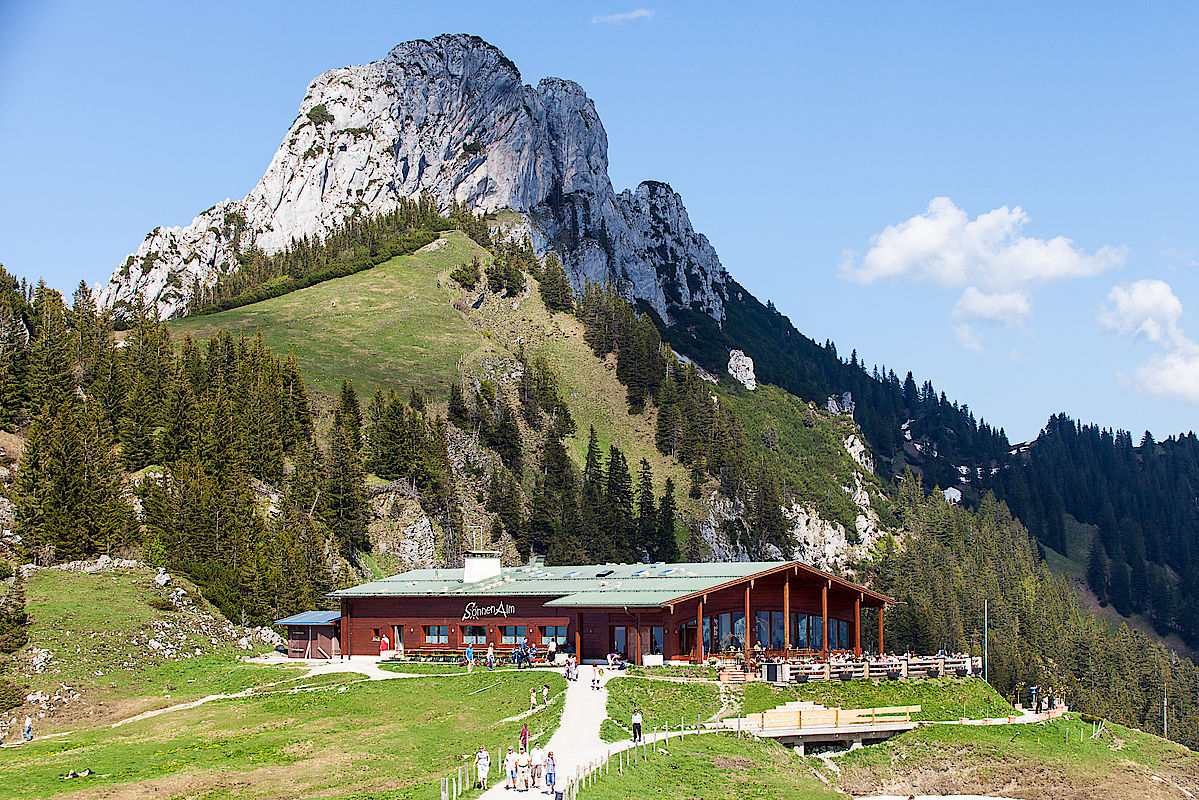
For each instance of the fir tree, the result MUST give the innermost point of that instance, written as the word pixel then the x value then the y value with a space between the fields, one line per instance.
pixel 345 503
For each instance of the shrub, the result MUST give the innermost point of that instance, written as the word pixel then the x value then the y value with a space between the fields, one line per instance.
pixel 161 603
pixel 472 148
pixel 10 696
pixel 319 115
pixel 5 570
pixel 467 274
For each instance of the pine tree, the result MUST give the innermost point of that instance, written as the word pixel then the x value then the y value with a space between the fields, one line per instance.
pixel 619 505
pixel 665 546
pixel 458 414
pixel 348 416
pixel 647 519
pixel 555 287
pixel 345 493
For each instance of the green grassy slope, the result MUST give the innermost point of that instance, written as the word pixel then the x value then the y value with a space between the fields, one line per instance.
pixel 1027 761
pixel 396 326
pixel 96 628
pixel 387 326
pixel 715 766
pixel 370 739
pixel 660 702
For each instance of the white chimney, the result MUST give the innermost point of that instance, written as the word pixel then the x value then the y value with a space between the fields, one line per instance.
pixel 480 565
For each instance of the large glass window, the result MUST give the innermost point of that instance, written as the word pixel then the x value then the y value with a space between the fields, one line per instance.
pixel 762 629
pixel 707 626
pixel 777 631
pixel 738 642
pixel 816 633
pixel 724 632
pixel 553 633
pixel 512 634
pixel 799 631
pixel 473 634
pixel 656 639
pixel 843 625
pixel 437 634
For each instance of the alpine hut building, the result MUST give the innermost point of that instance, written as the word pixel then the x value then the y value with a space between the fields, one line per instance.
pixel 679 612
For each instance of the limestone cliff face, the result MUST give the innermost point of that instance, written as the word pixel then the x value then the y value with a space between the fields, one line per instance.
pixel 451 117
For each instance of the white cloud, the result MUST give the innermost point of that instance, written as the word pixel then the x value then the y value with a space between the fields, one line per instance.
pixel 1173 376
pixel 623 17
pixel 1010 308
pixel 1145 308
pixel 1149 309
pixel 988 257
pixel 968 338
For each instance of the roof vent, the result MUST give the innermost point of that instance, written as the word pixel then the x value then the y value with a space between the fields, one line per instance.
pixel 574 573
pixel 604 573
pixel 479 565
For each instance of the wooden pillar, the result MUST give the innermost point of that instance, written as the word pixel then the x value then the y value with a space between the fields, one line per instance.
pixel 699 631
pixel 824 616
pixel 637 621
pixel 786 611
pixel 579 637
pixel 857 625
pixel 345 624
pixel 880 630
pixel 748 642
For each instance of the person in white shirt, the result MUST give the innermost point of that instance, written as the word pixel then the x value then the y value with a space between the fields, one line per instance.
pixel 536 760
pixel 636 720
pixel 510 767
pixel 523 763
pixel 482 766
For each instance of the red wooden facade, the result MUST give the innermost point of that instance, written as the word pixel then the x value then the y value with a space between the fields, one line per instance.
pixel 792 608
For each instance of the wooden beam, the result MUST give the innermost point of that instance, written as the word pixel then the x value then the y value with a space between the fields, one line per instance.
pixel 857 625
pixel 699 631
pixel 748 641
pixel 824 616
pixel 637 620
pixel 579 637
pixel 880 630
pixel 786 611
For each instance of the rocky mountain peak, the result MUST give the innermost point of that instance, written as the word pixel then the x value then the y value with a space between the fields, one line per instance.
pixel 449 116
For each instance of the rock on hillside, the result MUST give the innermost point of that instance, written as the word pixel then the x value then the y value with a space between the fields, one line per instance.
pixel 451 117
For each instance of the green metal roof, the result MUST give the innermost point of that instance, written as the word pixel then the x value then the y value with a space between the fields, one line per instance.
pixel 642 585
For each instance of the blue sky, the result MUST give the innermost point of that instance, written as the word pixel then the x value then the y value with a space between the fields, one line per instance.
pixel 859 165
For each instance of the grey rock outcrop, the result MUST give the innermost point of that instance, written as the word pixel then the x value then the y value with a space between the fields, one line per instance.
pixel 450 117
pixel 741 367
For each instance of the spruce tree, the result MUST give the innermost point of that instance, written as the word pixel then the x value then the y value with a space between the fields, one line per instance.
pixel 665 547
pixel 647 519
pixel 346 506
pixel 348 416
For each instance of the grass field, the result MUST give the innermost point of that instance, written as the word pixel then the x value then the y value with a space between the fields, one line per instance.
pixel 660 702
pixel 389 326
pixel 715 767
pixel 370 739
pixel 96 627
pixel 1027 761
pixel 939 698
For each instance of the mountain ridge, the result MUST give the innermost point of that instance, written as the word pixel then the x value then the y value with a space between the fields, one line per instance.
pixel 449 117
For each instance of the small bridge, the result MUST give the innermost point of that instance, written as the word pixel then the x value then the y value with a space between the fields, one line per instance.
pixel 800 723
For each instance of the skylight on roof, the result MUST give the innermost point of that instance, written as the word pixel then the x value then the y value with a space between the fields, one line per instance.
pixel 574 573
pixel 640 573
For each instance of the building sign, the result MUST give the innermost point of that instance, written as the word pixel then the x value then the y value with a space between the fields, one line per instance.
pixel 475 611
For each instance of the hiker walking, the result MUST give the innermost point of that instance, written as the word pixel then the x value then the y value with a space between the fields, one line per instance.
pixel 524 736
pixel 636 720
pixel 470 658
pixel 536 759
pixel 523 765
pixel 545 695
pixel 510 766
pixel 532 698
pixel 482 766
pixel 28 728
pixel 550 769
